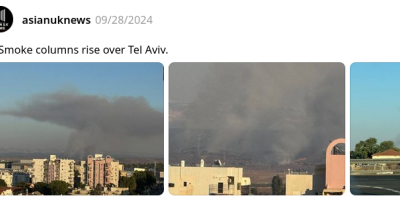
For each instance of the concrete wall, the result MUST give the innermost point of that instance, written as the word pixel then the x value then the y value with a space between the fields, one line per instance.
pixel 299 184
pixel 199 179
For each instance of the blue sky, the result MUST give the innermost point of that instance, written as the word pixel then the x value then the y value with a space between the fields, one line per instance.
pixel 19 81
pixel 375 101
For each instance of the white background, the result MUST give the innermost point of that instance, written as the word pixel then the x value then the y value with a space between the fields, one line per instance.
pixel 217 31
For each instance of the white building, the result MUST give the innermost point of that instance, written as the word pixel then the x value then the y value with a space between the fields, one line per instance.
pixel 7 176
pixel 215 180
pixel 38 170
pixel 66 171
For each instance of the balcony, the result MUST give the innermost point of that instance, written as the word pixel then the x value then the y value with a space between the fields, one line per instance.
pixel 221 189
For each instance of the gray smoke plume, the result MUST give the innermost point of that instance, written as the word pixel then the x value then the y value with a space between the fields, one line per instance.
pixel 124 125
pixel 275 111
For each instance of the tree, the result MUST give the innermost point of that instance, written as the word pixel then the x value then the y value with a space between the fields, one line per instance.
pixel 77 179
pixel 365 149
pixel 98 190
pixel 386 145
pixel 59 188
pixel 145 180
pixel 132 185
pixel 277 185
pixel 3 183
pixel 43 188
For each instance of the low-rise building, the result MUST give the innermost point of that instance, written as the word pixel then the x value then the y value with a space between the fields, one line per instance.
pixel 5 164
pixel 388 154
pixel 202 180
pixel 299 184
pixel 20 177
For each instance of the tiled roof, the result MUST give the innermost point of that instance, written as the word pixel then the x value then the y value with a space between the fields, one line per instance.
pixel 389 152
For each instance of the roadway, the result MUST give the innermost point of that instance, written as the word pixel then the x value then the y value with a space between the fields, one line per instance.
pixel 375 184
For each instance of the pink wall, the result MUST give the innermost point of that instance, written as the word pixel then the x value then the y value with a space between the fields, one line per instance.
pixel 335 167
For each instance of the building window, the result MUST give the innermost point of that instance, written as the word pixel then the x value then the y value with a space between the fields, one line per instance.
pixel 220 188
pixel 171 185
pixel 184 184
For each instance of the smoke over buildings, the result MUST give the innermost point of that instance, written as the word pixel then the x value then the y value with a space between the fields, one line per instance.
pixel 125 125
pixel 276 111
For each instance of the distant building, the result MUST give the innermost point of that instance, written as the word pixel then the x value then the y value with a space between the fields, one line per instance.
pixel 121 167
pixel 21 166
pixel 388 154
pixel 137 169
pixel 7 176
pixel 82 171
pixel 101 170
pixel 20 177
pixel 299 184
pixel 216 180
pixel 5 165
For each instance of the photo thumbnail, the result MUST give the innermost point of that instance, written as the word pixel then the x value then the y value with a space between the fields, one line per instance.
pixel 81 128
pixel 256 129
pixel 374 129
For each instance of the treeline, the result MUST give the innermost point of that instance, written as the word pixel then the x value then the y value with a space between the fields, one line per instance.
pixel 53 188
pixel 365 149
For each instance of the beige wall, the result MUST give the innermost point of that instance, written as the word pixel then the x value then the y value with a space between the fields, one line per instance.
pixel 385 157
pixel 115 172
pixel 38 170
pixel 298 184
pixel 199 179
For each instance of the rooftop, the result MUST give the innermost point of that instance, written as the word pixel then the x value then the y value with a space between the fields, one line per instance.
pixel 389 152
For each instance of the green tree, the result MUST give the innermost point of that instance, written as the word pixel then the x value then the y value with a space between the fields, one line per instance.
pixel 43 188
pixel 386 145
pixel 145 181
pixel 278 188
pixel 132 185
pixel 3 183
pixel 365 149
pixel 59 188
pixel 98 190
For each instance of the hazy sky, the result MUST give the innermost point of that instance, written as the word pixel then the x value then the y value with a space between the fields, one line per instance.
pixel 375 102
pixel 29 92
